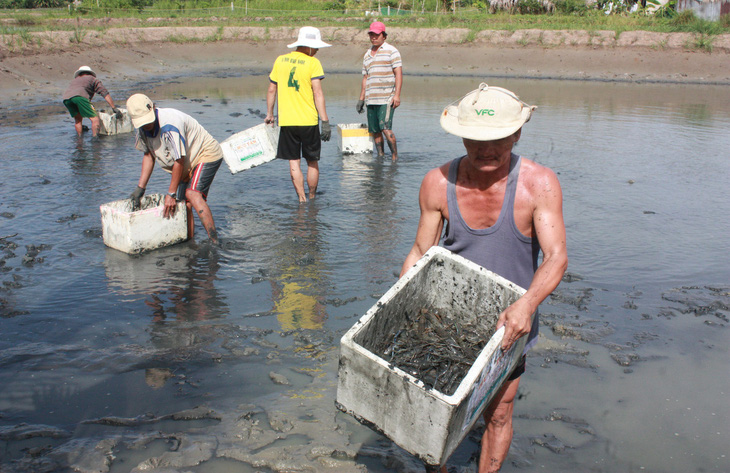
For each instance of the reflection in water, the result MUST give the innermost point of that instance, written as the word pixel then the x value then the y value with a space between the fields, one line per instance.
pixel 90 331
pixel 86 158
pixel 192 296
pixel 372 183
pixel 179 287
pixel 299 284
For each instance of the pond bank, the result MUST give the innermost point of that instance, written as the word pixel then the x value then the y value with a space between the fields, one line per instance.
pixel 36 72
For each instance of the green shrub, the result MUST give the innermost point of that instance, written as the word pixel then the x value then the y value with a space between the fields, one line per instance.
pixel 530 7
pixel 668 10
pixel 685 17
pixel 571 7
pixel 725 20
pixel 25 20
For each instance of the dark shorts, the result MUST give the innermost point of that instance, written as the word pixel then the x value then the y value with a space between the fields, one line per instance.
pixel 80 106
pixel 299 141
pixel 201 180
pixel 380 117
pixel 519 369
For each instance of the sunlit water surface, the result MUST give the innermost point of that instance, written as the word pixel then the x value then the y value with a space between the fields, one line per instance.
pixel 87 331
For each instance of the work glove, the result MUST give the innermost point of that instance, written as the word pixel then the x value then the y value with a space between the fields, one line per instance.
pixel 117 112
pixel 360 106
pixel 135 197
pixel 326 133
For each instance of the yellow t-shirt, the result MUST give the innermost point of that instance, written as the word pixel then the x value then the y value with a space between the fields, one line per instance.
pixel 293 74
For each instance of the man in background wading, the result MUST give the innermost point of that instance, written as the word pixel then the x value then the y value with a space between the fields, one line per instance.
pixel 296 81
pixel 382 78
pixel 501 210
pixel 77 99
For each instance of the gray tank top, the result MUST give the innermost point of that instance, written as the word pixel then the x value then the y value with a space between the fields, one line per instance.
pixel 500 248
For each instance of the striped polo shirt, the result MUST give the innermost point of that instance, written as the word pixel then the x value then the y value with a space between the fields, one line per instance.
pixel 380 83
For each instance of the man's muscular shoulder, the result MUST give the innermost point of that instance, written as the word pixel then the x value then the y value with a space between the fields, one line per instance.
pixel 433 188
pixel 537 181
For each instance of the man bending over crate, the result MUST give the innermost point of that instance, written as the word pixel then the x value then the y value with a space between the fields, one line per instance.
pixel 184 149
pixel 501 210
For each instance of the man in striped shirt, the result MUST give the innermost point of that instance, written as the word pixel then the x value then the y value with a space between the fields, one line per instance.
pixel 382 77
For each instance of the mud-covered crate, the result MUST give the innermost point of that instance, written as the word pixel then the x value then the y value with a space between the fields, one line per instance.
pixel 422 420
pixel 144 229
pixel 110 124
pixel 354 138
pixel 250 148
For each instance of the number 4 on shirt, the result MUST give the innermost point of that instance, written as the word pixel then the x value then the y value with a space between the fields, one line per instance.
pixel 292 82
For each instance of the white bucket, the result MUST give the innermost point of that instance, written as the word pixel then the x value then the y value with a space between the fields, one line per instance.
pixel 422 420
pixel 354 138
pixel 111 125
pixel 145 229
pixel 251 147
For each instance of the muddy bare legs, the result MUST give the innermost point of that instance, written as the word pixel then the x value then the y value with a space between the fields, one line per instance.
pixel 95 125
pixel 379 145
pixel 195 200
pixel 390 138
pixel 378 138
pixel 498 432
pixel 312 177
pixel 78 125
pixel 297 178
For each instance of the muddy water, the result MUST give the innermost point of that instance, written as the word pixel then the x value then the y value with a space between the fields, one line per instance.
pixel 223 359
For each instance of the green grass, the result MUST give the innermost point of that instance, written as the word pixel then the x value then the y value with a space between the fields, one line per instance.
pixel 569 15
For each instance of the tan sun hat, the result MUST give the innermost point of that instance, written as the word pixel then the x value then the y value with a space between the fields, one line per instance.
pixel 310 37
pixel 141 110
pixel 83 69
pixel 486 114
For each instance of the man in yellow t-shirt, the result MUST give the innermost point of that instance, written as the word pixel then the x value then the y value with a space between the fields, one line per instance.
pixel 295 81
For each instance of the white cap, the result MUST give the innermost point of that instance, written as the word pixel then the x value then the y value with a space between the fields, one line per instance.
pixel 141 110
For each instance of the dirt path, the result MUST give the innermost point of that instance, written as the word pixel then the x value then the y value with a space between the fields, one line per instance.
pixel 37 72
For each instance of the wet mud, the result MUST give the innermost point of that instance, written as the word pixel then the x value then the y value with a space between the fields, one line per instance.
pixel 203 358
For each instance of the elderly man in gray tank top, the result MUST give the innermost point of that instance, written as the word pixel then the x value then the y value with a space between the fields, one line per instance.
pixel 500 211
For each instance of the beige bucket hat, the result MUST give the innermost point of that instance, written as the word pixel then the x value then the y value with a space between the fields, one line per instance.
pixel 486 114
pixel 310 37
pixel 83 69
pixel 141 110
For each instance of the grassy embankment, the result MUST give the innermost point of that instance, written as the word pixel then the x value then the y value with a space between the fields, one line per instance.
pixel 18 24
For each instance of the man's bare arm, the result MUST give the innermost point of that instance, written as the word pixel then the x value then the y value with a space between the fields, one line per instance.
pixel 550 231
pixel 319 99
pixel 270 101
pixel 363 86
pixel 398 71
pixel 430 224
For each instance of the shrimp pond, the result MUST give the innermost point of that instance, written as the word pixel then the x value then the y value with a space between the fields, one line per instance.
pixel 203 358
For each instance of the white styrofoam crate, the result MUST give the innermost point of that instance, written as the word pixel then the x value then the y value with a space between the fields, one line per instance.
pixel 145 229
pixel 423 421
pixel 251 147
pixel 111 125
pixel 354 138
